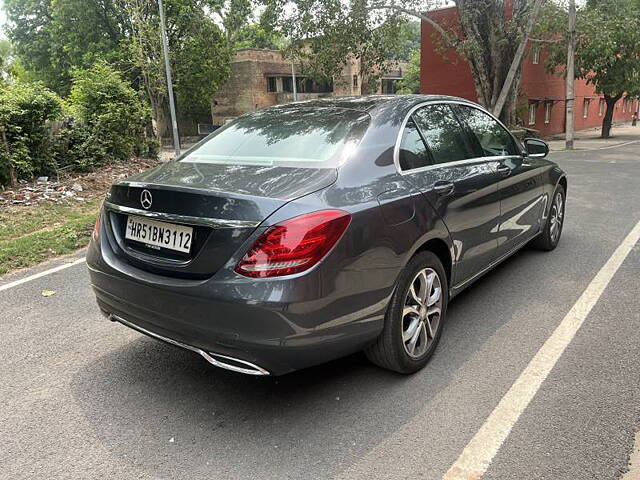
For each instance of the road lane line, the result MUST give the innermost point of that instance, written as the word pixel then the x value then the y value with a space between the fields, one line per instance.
pixel 634 461
pixel 9 285
pixel 483 447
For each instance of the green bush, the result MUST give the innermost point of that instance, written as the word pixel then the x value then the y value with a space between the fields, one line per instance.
pixel 104 120
pixel 109 119
pixel 410 83
pixel 25 140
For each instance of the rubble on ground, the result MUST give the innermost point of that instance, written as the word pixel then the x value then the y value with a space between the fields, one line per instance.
pixel 72 187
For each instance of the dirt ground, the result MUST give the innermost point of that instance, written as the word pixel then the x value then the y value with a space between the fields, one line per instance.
pixel 69 188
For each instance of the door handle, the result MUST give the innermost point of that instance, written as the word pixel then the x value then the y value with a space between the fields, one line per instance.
pixel 504 170
pixel 444 188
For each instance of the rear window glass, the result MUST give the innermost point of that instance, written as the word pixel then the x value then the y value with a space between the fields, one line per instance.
pixel 318 137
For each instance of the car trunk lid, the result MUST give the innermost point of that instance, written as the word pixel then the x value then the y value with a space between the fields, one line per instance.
pixel 222 203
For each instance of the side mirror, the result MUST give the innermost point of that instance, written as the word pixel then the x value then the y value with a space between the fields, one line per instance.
pixel 536 148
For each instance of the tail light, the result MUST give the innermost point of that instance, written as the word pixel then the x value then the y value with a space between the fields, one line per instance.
pixel 96 228
pixel 294 245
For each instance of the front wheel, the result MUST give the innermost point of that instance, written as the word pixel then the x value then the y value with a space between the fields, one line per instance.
pixel 414 319
pixel 550 235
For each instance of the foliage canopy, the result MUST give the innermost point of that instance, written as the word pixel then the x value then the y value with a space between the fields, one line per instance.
pixel 607 49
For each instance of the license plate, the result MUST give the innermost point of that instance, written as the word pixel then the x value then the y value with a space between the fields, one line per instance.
pixel 157 234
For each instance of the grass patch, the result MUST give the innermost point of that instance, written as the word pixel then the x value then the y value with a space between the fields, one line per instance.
pixel 28 238
pixel 23 221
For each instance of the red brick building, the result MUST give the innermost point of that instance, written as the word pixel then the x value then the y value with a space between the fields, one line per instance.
pixel 542 94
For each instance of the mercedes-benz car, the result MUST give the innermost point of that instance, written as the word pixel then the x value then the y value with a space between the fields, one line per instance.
pixel 301 233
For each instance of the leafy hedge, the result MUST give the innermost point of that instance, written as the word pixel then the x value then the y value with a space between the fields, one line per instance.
pixel 25 141
pixel 103 119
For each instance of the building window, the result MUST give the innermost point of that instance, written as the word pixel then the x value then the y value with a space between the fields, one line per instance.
pixel 287 84
pixel 547 112
pixel 272 84
pixel 585 108
pixel 355 81
pixel 624 106
pixel 536 55
pixel 601 107
pixel 532 113
pixel 389 85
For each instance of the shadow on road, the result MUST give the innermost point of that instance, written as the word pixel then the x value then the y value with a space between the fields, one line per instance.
pixel 170 414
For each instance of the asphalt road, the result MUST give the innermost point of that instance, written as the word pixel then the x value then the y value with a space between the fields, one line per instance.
pixel 81 397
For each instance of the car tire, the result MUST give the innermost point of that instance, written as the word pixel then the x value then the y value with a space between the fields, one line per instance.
pixel 550 236
pixel 413 325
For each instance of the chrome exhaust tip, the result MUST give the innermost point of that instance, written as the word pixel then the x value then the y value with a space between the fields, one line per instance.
pixel 215 359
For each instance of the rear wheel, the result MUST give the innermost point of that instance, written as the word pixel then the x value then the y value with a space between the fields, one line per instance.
pixel 414 319
pixel 550 236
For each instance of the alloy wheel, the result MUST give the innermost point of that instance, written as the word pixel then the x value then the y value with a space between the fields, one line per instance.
pixel 556 217
pixel 421 312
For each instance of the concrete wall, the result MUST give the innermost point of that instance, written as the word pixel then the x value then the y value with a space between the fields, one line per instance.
pixel 246 88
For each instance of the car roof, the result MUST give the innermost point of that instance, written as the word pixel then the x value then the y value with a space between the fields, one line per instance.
pixel 367 103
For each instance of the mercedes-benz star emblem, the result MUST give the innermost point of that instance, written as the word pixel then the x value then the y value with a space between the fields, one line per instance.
pixel 146 199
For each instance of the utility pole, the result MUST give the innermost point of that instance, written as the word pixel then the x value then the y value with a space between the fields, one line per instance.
pixel 167 68
pixel 295 89
pixel 570 75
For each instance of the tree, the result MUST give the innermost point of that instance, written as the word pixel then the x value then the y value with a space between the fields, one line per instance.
pixel 410 82
pixel 53 37
pixel 5 59
pixel 255 35
pixel 109 117
pixel 25 109
pixel 328 34
pixel 408 40
pixel 607 51
pixel 492 36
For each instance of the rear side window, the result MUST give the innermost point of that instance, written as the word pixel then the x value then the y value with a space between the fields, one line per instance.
pixel 413 152
pixel 445 136
pixel 292 136
pixel 493 138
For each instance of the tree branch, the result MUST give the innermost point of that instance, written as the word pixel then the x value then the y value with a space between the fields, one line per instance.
pixel 542 40
pixel 415 14
pixel 517 60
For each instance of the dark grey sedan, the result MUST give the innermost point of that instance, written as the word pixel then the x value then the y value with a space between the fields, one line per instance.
pixel 304 232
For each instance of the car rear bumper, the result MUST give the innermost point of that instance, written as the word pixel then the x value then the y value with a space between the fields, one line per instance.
pixel 236 326
pixel 222 361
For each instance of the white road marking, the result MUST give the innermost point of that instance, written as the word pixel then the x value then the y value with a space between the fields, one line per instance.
pixel 634 461
pixel 9 285
pixel 483 447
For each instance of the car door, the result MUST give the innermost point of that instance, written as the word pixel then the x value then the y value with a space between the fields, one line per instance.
pixel 462 189
pixel 520 185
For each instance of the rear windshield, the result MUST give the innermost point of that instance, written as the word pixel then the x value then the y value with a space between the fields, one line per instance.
pixel 300 137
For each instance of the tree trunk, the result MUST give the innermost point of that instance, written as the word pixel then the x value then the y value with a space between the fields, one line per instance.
pixel 490 47
pixel 509 114
pixel 159 112
pixel 516 61
pixel 608 116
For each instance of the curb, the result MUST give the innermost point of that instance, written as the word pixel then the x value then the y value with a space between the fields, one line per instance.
pixel 578 149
